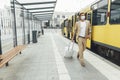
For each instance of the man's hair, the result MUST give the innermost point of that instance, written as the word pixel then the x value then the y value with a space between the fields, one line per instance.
pixel 81 13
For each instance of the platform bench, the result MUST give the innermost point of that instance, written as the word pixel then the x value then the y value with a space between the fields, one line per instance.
pixel 6 57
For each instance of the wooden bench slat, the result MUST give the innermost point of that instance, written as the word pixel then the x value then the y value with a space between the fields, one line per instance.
pixel 11 54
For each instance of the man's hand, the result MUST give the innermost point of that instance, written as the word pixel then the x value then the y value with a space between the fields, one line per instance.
pixel 72 40
pixel 88 37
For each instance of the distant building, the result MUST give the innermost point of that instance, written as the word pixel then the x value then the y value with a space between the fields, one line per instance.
pixel 58 17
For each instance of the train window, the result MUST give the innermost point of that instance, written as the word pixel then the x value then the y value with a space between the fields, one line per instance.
pixel 70 23
pixel 115 12
pixel 62 25
pixel 72 20
pixel 66 23
pixel 100 12
pixel 76 17
pixel 89 17
pixel 69 27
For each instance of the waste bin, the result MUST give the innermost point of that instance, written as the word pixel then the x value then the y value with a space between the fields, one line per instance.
pixel 28 38
pixel 34 36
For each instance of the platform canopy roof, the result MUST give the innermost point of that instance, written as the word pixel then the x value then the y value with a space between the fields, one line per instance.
pixel 41 9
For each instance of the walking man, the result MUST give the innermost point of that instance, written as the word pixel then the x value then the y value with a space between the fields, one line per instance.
pixel 83 32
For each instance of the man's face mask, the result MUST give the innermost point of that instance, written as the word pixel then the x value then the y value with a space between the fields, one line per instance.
pixel 82 17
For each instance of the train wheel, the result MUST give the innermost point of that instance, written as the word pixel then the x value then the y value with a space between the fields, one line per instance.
pixel 101 51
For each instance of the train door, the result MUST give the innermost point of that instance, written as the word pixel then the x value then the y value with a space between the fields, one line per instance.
pixel 89 17
pixel 65 28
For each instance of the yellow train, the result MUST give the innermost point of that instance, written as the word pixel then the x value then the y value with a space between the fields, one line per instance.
pixel 105 19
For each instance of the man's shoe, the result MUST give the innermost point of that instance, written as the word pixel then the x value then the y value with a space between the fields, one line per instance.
pixel 82 63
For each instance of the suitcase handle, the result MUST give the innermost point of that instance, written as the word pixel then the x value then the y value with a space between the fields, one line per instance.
pixel 71 43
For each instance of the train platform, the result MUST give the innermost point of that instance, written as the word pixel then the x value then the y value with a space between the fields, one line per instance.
pixel 45 60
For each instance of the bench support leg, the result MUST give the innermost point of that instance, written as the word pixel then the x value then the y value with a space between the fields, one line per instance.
pixel 7 64
pixel 20 53
pixel 1 60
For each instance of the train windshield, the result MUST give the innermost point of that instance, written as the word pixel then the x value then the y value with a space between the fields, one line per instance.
pixel 66 23
pixel 115 12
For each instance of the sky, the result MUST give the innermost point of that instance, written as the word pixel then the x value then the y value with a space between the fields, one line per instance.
pixel 72 5
pixel 4 3
pixel 61 6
